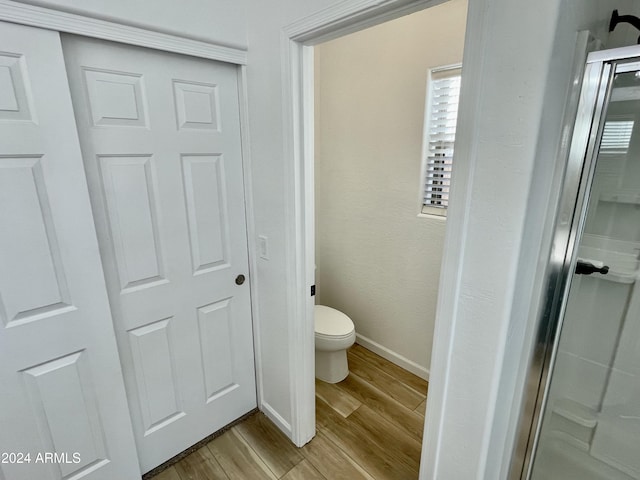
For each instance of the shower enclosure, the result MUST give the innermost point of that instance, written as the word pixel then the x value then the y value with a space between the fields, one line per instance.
pixel 585 422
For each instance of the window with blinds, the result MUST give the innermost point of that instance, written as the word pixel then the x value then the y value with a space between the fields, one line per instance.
pixel 616 137
pixel 440 134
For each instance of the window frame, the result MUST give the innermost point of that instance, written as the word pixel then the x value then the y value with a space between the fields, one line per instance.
pixel 433 74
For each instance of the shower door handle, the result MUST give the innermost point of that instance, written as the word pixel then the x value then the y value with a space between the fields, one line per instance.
pixel 586 268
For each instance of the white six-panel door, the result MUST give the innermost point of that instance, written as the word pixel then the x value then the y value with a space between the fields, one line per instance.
pixel 160 136
pixel 61 387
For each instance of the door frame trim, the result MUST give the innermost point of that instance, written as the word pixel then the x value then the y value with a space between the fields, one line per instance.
pixel 298 39
pixel 245 145
pixel 570 217
pixel 105 29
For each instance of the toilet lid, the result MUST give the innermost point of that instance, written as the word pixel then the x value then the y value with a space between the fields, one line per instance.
pixel 329 321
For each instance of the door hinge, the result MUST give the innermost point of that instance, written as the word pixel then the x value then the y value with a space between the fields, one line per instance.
pixel 313 290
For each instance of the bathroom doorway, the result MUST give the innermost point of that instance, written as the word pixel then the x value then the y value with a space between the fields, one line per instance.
pixel 377 254
pixel 378 250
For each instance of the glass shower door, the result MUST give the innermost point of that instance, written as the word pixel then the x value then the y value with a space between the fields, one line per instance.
pixel 590 426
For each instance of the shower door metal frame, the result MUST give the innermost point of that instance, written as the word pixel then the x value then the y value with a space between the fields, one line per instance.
pixel 594 96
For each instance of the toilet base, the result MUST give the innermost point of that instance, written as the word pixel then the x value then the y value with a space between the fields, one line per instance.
pixel 331 367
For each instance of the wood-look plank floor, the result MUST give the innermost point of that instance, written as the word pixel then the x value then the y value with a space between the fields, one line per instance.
pixel 369 426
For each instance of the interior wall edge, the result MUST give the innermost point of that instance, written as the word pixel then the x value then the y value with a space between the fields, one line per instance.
pixel 276 418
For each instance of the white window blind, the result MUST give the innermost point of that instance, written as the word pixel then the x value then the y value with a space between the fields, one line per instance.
pixel 440 132
pixel 616 137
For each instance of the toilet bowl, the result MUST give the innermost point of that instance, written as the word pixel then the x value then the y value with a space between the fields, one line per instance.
pixel 334 333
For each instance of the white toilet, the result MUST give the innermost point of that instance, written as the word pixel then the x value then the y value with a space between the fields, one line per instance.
pixel 334 334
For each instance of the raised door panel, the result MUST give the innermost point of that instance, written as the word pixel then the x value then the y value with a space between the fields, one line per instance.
pixel 81 442
pixel 129 191
pixel 63 400
pixel 29 246
pixel 14 98
pixel 8 97
pixel 156 374
pixel 215 324
pixel 197 105
pixel 116 99
pixel 204 186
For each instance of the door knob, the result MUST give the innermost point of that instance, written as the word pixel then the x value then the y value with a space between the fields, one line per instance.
pixel 240 279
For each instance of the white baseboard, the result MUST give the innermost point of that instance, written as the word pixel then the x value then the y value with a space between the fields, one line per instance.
pixel 275 417
pixel 393 357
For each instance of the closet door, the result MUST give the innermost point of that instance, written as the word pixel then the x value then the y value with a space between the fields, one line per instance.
pixel 63 411
pixel 160 135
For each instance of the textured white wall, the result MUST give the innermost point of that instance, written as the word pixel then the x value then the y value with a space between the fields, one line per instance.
pixel 378 261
